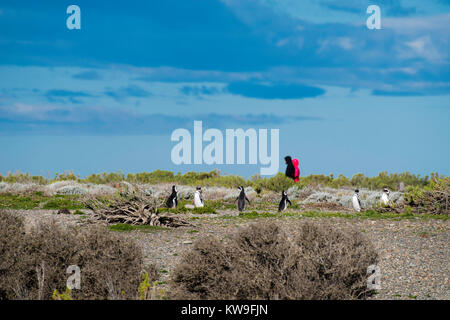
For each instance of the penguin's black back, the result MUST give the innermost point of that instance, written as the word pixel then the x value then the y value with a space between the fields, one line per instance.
pixel 241 200
pixel 172 201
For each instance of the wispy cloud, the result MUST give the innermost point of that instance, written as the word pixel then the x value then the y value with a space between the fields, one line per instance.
pixel 64 96
pixel 200 90
pixel 127 92
pixel 87 75
pixel 396 93
pixel 389 7
pixel 50 119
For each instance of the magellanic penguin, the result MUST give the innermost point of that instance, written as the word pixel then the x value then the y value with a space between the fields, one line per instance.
pixel 284 202
pixel 241 199
pixel 385 197
pixel 172 201
pixel 198 199
pixel 355 201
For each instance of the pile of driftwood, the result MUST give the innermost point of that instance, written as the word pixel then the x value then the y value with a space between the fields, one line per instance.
pixel 134 209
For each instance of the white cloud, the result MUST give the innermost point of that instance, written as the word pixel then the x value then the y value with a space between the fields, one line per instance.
pixel 414 25
pixel 345 43
pixel 422 47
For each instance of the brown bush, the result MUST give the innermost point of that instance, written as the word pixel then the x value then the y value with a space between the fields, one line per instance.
pixel 334 262
pixel 36 263
pixel 12 235
pixel 263 262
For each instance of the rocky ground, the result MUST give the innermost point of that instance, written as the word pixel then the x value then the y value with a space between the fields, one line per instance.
pixel 414 253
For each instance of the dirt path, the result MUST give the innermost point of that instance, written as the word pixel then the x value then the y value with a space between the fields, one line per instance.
pixel 414 254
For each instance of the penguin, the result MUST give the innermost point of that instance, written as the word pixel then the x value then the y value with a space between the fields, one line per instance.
pixel 385 197
pixel 284 201
pixel 241 199
pixel 172 201
pixel 355 201
pixel 198 199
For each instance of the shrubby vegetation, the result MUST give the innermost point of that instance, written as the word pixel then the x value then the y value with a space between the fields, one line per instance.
pixel 320 262
pixel 433 198
pixel 19 177
pixel 33 265
pixel 276 183
pixel 421 194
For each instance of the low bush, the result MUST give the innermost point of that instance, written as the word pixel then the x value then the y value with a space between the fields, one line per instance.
pixel 12 246
pixel 263 262
pixel 34 265
pixel 433 199
pixel 277 183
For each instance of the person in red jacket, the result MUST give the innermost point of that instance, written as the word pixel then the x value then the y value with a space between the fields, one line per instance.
pixel 295 162
pixel 292 170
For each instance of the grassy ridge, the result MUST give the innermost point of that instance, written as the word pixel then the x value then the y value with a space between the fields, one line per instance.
pixel 214 178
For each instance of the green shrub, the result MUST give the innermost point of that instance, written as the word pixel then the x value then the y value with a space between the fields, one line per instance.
pixel 433 199
pixel 277 183
pixel 67 176
pixel 19 177
pixel 105 178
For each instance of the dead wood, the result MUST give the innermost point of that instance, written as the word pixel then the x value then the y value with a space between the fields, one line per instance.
pixel 134 209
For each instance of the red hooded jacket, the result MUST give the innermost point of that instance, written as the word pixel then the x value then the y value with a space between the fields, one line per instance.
pixel 295 162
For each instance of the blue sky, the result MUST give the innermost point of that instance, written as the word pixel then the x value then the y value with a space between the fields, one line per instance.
pixel 107 97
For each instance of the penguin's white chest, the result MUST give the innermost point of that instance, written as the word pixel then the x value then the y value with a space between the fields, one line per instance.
pixel 197 200
pixel 355 203
pixel 384 199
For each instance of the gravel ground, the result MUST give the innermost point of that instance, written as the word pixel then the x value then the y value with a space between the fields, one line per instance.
pixel 414 254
